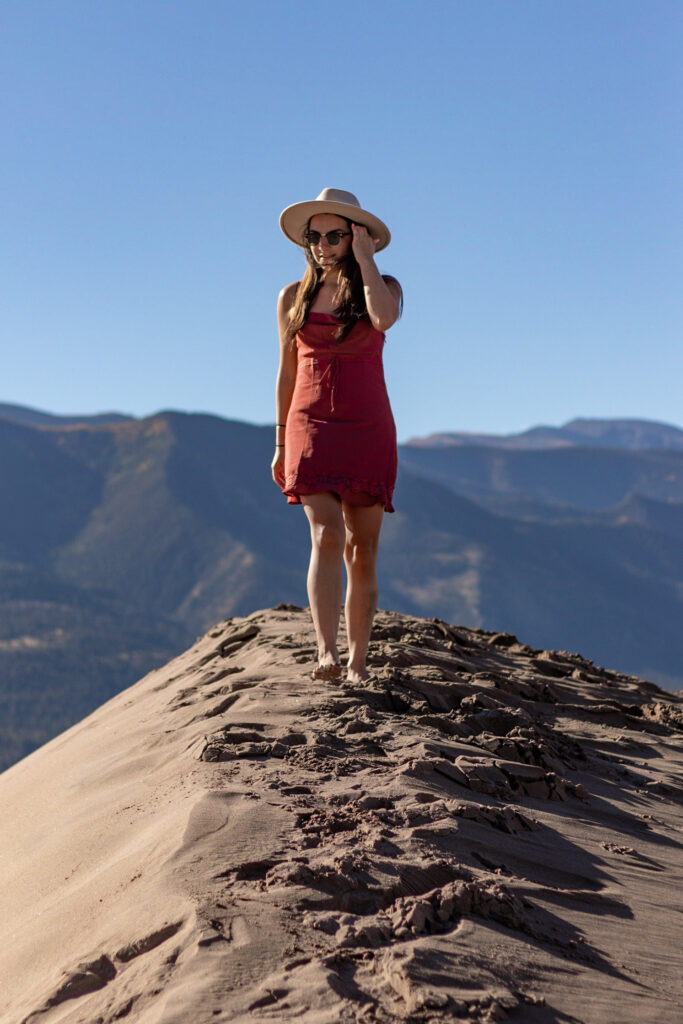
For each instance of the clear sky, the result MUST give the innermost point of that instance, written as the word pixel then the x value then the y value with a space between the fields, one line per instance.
pixel 526 154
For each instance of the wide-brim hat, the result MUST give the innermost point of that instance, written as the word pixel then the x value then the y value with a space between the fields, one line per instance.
pixel 294 219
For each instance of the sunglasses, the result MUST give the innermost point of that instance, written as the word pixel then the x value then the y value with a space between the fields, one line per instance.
pixel 332 237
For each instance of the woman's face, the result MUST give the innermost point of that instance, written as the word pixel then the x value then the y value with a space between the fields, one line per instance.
pixel 324 254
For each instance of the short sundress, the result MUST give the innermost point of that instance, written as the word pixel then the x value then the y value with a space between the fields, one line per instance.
pixel 340 433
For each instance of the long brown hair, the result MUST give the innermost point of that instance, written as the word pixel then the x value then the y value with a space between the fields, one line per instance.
pixel 349 298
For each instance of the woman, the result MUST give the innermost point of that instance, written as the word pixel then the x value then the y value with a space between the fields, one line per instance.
pixel 335 438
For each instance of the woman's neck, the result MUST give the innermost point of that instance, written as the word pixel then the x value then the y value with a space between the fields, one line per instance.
pixel 330 276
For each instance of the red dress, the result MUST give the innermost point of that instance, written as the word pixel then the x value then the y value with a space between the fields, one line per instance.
pixel 340 432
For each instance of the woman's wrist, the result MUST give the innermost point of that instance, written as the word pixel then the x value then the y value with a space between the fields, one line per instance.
pixel 366 263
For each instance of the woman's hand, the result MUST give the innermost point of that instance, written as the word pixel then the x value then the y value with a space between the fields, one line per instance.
pixel 383 302
pixel 278 467
pixel 362 243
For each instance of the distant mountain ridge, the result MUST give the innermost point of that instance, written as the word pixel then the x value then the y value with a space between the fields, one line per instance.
pixel 569 478
pixel 38 418
pixel 120 541
pixel 619 433
pixel 633 434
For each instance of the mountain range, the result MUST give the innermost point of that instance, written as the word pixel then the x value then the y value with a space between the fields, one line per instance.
pixel 580 432
pixel 122 538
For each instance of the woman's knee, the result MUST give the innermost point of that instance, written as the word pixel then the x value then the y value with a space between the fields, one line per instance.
pixel 328 538
pixel 361 553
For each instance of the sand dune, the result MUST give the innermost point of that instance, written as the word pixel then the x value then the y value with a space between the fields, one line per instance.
pixel 482 832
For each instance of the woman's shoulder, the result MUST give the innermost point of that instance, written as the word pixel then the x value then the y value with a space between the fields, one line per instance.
pixel 395 289
pixel 285 305
pixel 287 295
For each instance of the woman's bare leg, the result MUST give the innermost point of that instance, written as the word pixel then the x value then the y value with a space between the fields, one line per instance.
pixel 324 579
pixel 363 524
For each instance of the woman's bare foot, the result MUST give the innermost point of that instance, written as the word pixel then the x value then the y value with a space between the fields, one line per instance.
pixel 354 675
pixel 330 670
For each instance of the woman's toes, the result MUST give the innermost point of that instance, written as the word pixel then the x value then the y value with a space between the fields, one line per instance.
pixel 331 671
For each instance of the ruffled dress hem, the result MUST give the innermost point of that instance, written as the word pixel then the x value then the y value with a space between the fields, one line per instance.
pixel 353 492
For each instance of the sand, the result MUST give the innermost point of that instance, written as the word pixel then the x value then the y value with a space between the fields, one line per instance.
pixel 481 832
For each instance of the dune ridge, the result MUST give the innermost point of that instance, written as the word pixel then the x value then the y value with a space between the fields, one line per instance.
pixel 483 831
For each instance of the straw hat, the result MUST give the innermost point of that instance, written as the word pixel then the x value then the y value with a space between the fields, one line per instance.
pixel 294 219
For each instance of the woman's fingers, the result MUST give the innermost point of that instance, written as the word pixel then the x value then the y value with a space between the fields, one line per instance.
pixel 278 469
pixel 362 243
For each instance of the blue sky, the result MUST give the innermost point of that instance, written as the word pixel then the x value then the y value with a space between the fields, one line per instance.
pixel 527 155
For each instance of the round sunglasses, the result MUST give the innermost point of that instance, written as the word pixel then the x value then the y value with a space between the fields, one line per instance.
pixel 332 237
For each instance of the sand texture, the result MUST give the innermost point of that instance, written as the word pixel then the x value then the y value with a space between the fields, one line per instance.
pixel 481 832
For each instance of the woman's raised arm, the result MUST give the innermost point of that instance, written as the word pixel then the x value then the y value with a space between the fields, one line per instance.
pixel 382 298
